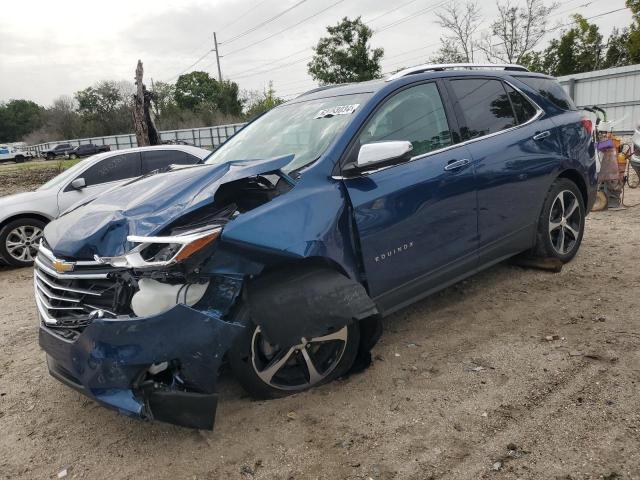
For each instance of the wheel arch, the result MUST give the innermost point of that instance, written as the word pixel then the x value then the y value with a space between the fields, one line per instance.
pixel 18 216
pixel 575 177
pixel 309 297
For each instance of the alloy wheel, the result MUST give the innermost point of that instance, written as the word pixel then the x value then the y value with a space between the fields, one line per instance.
pixel 300 366
pixel 565 222
pixel 22 243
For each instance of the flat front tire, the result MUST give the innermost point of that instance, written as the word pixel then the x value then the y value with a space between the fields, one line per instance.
pixel 561 222
pixel 270 371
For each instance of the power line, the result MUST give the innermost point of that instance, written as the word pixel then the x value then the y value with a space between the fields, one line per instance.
pixel 274 68
pixel 390 11
pixel 191 66
pixel 262 24
pixel 412 16
pixel 285 29
pixel 240 17
pixel 270 62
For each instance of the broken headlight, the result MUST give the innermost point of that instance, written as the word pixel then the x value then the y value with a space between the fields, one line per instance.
pixel 163 251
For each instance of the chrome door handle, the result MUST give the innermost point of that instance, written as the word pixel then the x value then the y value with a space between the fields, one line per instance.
pixel 541 135
pixel 455 164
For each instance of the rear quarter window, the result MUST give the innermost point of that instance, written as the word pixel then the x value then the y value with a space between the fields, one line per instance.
pixel 550 89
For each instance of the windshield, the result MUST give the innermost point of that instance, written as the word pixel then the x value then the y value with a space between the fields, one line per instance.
pixel 304 129
pixel 65 176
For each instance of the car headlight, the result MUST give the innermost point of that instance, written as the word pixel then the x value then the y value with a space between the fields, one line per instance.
pixel 163 251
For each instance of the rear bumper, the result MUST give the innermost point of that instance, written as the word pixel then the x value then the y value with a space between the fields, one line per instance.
pixel 110 359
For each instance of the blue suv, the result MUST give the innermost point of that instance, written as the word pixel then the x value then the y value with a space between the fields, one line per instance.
pixel 279 254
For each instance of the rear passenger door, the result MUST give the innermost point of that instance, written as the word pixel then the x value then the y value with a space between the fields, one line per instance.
pixel 159 159
pixel 99 177
pixel 416 220
pixel 514 149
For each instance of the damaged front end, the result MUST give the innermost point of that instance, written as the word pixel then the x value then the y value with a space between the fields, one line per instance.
pixel 146 330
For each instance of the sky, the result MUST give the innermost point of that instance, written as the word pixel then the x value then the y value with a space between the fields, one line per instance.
pixel 52 48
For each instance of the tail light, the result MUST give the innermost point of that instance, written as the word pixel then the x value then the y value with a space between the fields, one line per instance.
pixel 588 125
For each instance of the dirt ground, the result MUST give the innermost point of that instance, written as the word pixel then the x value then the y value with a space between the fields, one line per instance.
pixel 464 385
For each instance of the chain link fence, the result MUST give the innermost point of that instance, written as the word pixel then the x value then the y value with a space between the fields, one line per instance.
pixel 205 137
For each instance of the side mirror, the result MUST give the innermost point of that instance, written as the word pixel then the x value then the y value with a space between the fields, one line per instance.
pixel 381 154
pixel 78 183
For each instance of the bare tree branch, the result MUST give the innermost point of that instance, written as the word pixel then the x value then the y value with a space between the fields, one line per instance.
pixel 463 22
pixel 517 31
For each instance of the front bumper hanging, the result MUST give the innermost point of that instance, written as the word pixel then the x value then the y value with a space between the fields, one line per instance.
pixel 110 359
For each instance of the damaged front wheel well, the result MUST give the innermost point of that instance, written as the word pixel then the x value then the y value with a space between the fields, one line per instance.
pixel 309 299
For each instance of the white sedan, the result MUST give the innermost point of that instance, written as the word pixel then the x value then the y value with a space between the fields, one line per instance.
pixel 24 215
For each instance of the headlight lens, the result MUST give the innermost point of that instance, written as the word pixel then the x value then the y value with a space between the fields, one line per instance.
pixel 156 252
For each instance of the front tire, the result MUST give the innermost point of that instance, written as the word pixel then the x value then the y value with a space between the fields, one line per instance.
pixel 561 222
pixel 19 241
pixel 269 371
pixel 19 159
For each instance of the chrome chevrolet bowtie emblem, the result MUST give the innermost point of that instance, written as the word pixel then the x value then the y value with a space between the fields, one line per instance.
pixel 61 266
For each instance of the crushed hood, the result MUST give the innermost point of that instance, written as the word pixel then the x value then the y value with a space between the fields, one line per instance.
pixel 144 207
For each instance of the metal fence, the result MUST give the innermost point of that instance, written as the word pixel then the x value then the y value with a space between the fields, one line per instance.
pixel 616 90
pixel 205 137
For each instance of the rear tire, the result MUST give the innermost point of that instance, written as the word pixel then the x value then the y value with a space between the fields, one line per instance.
pixel 561 222
pixel 268 371
pixel 19 241
pixel 19 159
pixel 49 156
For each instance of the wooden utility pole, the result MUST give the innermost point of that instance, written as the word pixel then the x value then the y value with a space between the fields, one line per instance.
pixel 146 132
pixel 215 49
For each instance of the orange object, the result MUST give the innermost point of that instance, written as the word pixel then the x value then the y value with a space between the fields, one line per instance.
pixel 622 164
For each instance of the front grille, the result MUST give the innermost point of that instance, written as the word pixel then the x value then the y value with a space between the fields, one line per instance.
pixel 67 299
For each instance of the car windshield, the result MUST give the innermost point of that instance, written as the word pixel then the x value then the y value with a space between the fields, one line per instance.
pixel 65 176
pixel 304 129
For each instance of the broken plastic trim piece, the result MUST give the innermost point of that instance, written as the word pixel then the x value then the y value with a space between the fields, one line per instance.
pixel 186 244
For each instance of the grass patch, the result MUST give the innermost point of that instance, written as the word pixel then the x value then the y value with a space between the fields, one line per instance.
pixel 58 165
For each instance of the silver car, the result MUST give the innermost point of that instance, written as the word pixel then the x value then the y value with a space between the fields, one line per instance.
pixel 24 215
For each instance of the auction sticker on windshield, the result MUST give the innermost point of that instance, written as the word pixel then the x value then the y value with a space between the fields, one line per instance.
pixel 338 110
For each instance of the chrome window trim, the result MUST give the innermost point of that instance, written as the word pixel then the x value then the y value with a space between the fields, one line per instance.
pixel 539 113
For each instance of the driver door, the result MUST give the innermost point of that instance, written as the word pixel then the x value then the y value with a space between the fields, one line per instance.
pixel 100 177
pixel 417 220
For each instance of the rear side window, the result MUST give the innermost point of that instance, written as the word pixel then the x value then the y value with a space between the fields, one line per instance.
pixel 415 114
pixel 118 167
pixel 523 108
pixel 551 90
pixel 157 159
pixel 483 105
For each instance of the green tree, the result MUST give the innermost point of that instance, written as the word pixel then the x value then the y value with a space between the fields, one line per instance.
pixel 105 108
pixel 578 50
pixel 227 98
pixel 345 55
pixel 632 41
pixel 617 53
pixel 19 118
pixel 260 102
pixel 194 90
pixel 198 91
